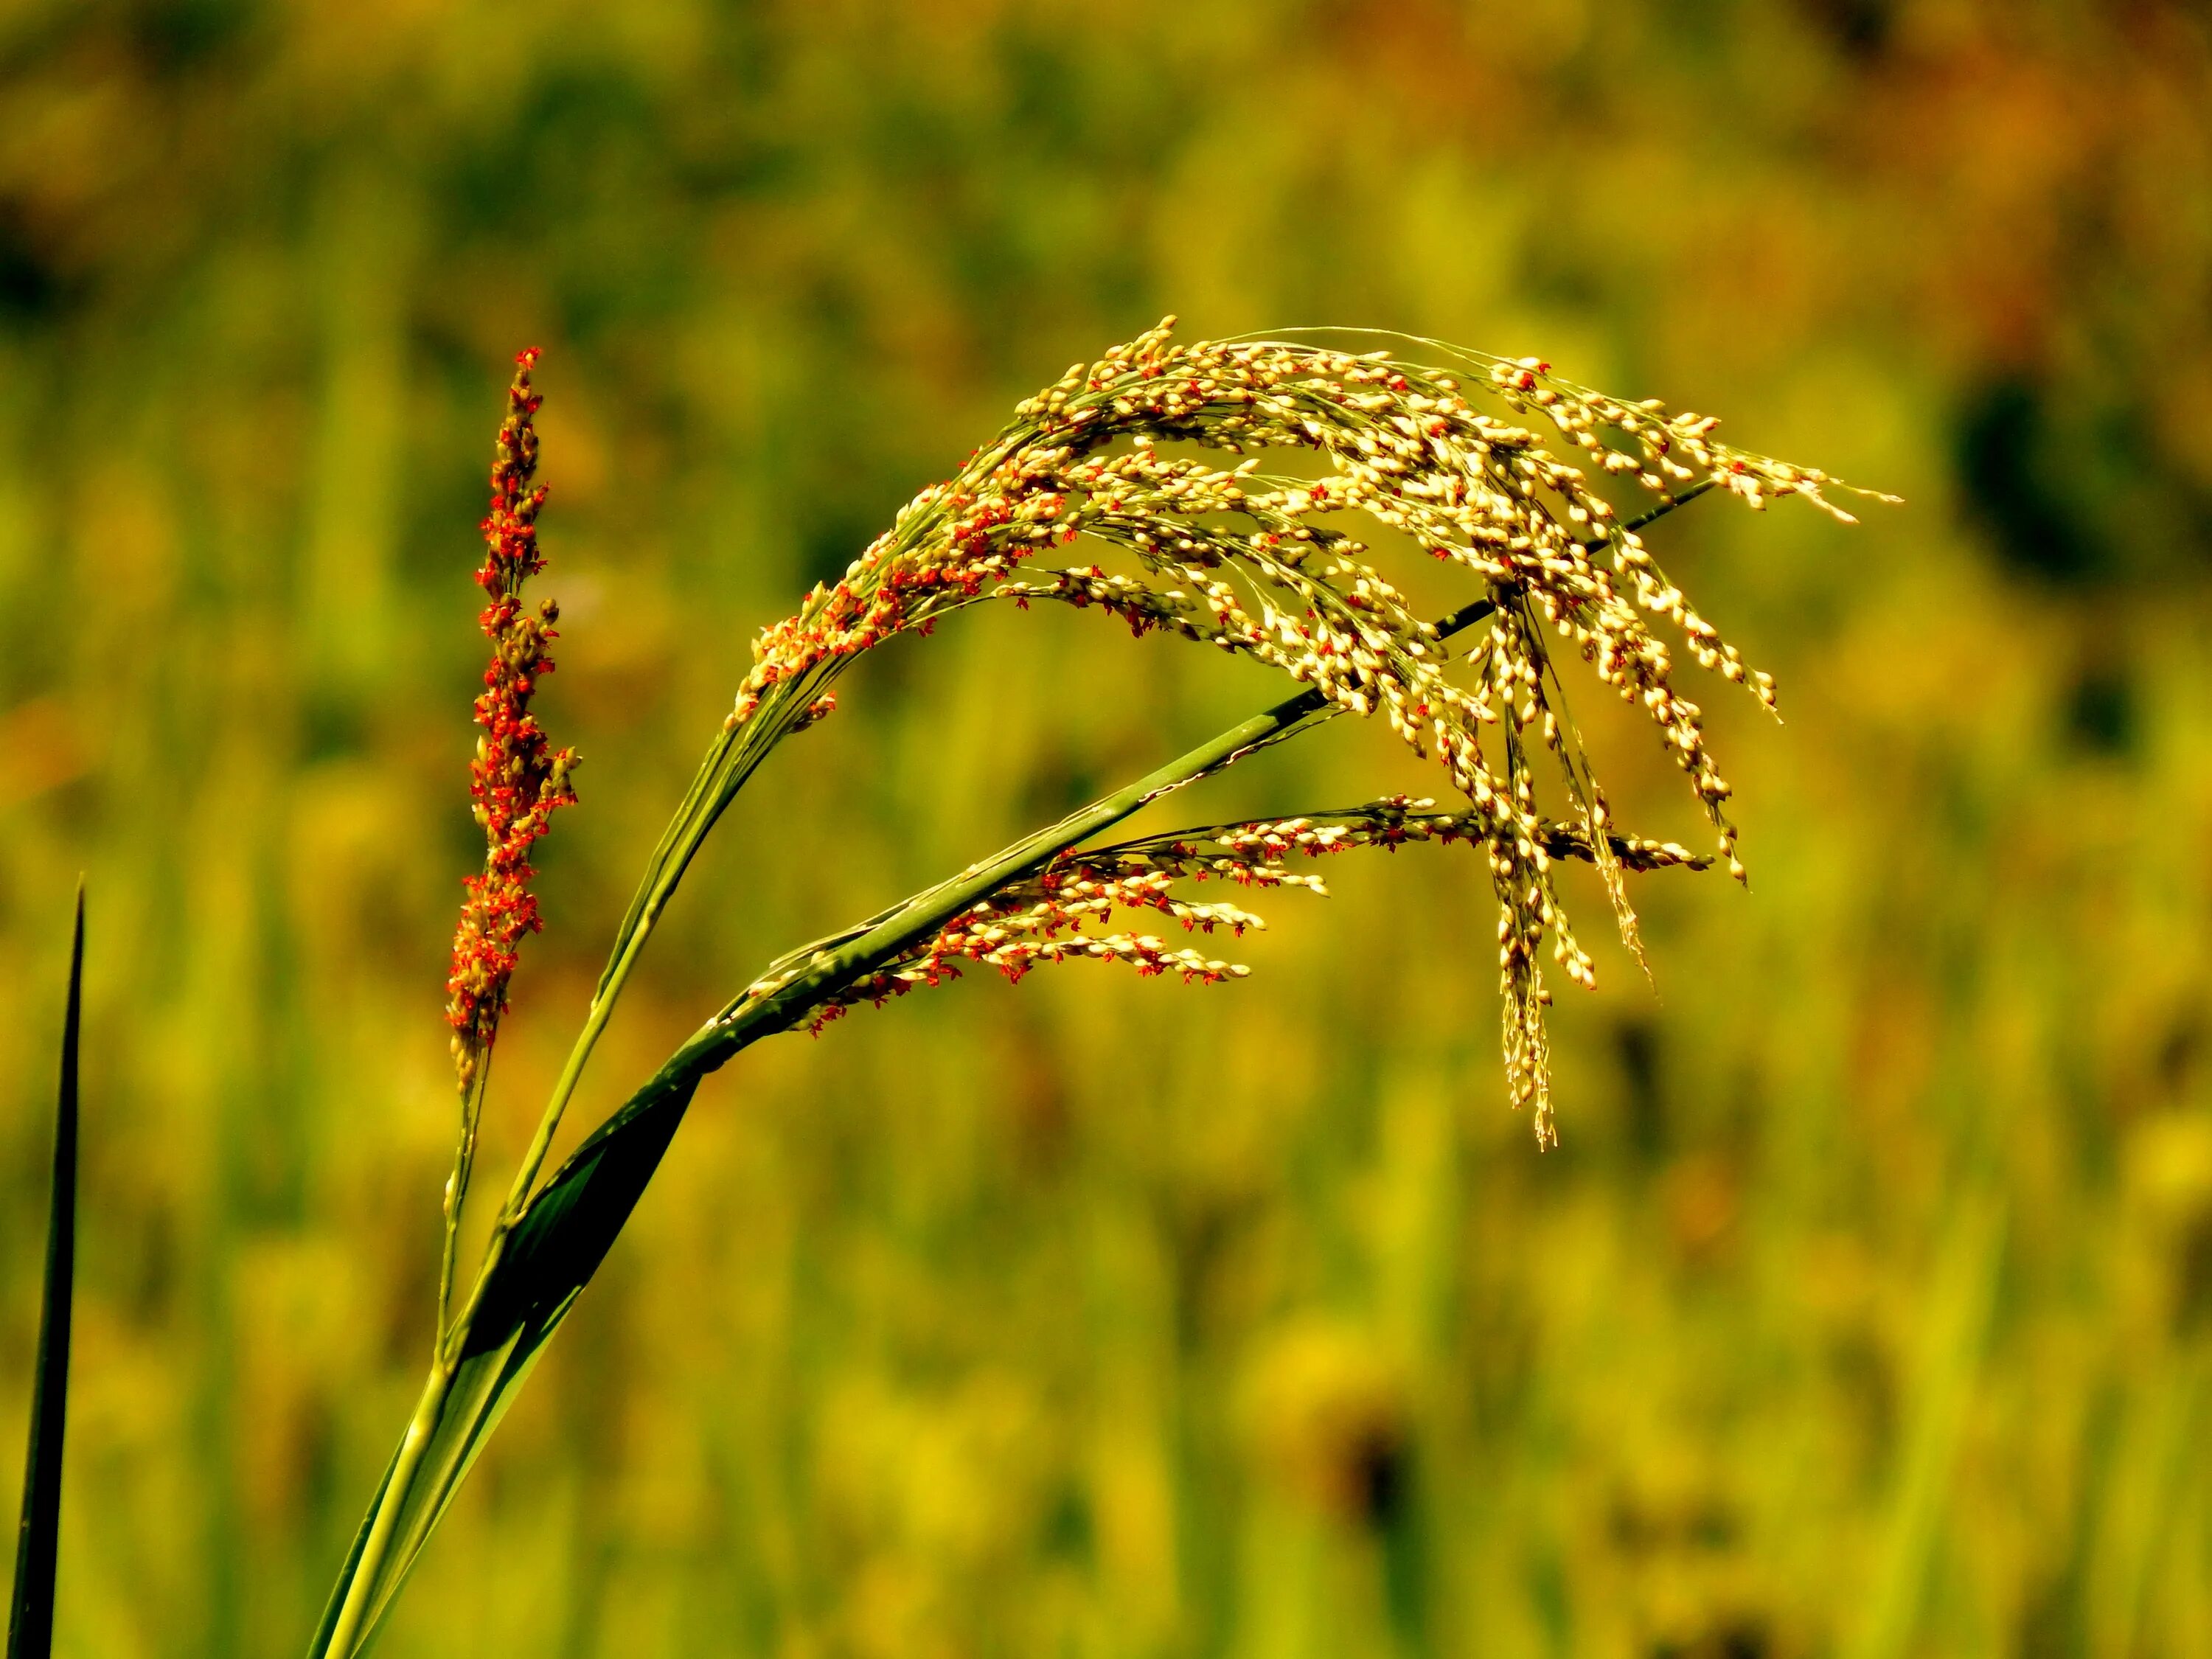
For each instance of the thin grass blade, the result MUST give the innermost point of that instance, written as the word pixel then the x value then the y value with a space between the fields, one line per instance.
pixel 31 1615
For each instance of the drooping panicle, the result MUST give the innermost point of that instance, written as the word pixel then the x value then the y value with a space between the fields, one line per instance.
pixel 517 780
pixel 1259 563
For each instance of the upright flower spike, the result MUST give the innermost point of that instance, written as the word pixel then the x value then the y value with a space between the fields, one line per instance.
pixel 516 782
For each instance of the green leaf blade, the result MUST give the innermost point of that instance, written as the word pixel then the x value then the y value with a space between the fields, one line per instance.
pixel 31 1612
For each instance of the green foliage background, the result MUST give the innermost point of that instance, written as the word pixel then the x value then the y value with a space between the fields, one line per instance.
pixel 1865 1311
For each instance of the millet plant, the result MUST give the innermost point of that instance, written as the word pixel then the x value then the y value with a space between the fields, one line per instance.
pixel 1135 486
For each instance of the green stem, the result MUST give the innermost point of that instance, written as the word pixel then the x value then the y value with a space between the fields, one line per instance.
pixel 829 968
pixel 833 963
pixel 731 761
pixel 346 1630
pixel 838 960
pixel 456 1185
pixel 686 838
pixel 704 805
pixel 745 1022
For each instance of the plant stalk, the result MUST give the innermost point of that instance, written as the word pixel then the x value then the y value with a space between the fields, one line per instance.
pixel 346 1632
pixel 457 1186
pixel 747 1019
pixel 730 763
pixel 832 964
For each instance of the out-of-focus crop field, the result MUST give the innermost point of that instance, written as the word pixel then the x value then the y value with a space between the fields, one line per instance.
pixel 1865 1311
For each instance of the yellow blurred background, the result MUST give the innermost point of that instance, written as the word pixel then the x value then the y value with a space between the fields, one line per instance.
pixel 1865 1311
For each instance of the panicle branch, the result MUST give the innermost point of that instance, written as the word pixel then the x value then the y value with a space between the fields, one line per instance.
pixel 1041 919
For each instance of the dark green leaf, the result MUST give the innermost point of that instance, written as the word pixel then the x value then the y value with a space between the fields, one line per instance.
pixel 31 1616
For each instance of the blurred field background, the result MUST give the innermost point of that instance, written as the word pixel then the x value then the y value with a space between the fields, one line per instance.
pixel 1866 1311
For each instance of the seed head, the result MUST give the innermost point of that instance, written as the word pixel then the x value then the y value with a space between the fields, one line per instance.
pixel 1261 564
pixel 516 780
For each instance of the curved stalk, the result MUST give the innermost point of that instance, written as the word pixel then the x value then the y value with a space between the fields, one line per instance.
pixel 388 1545
pixel 547 1242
